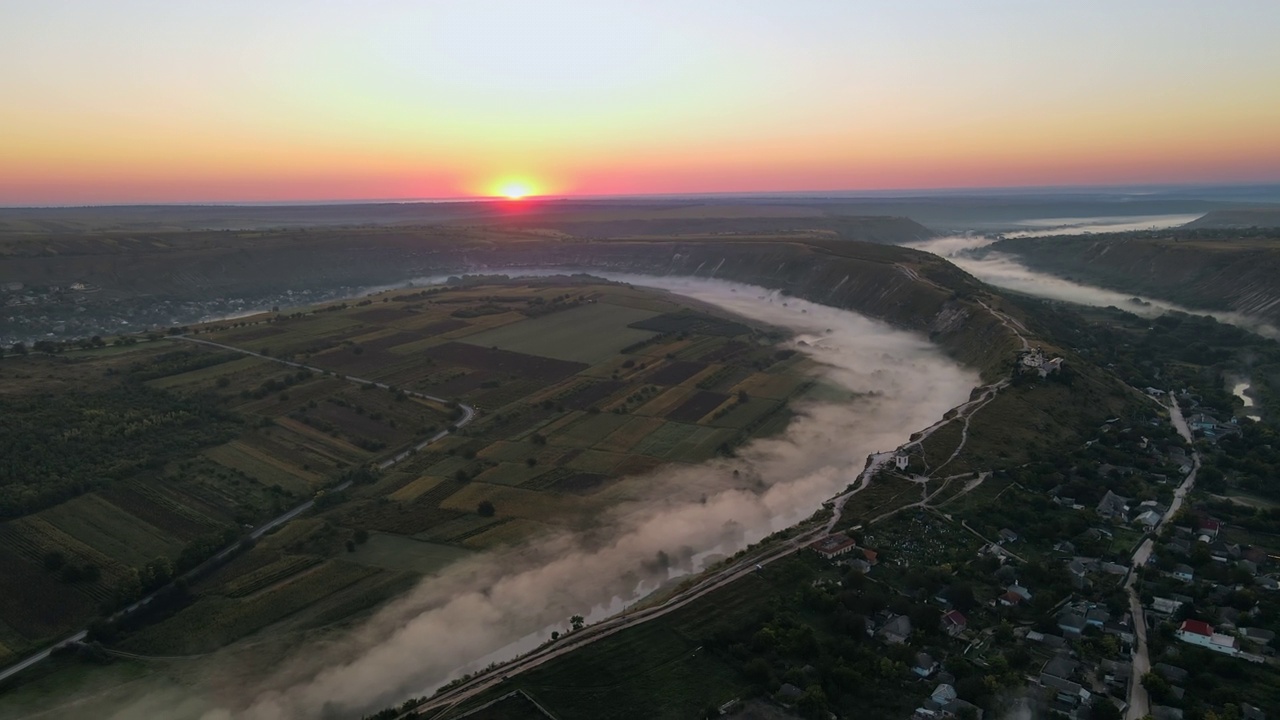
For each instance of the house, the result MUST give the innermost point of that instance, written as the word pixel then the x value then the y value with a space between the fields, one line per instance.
pixel 1068 692
pixel 1202 634
pixel 901 461
pixel 1164 712
pixel 1174 674
pixel 1117 673
pixel 954 622
pixel 1119 630
pixel 833 546
pixel 1071 624
pixel 943 694
pixel 1078 573
pixel 1057 642
pixel 870 556
pixel 1203 423
pixel 1148 519
pixel 1165 606
pixel 789 693
pixel 1008 536
pixel 1255 555
pixel 1209 526
pixel 897 630
pixel 1111 568
pixel 1097 617
pixel 1065 546
pixel 1010 599
pixel 1113 506
pixel 925 665
pixel 1060 666
pixel 1020 591
pixel 1183 572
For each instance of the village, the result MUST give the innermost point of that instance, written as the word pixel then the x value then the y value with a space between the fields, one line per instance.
pixel 1104 607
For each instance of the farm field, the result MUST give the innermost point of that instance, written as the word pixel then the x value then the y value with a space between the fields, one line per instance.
pixel 581 388
pixel 588 333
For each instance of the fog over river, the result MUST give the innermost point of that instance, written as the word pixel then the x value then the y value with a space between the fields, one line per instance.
pixel 497 604
pixel 1007 271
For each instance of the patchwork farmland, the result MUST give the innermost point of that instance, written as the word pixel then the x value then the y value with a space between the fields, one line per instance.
pixel 579 386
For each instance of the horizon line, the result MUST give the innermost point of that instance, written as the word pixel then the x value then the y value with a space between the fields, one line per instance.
pixel 830 194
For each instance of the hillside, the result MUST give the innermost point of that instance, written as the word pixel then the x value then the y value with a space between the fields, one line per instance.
pixel 1202 269
pixel 1268 217
pixel 160 279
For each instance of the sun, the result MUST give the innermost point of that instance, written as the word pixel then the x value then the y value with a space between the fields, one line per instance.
pixel 515 189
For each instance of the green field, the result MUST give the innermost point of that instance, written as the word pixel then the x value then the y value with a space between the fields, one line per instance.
pixel 396 552
pixel 589 333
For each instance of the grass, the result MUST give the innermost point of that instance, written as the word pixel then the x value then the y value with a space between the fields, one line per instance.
pixel 587 333
pixel 212 622
pixel 110 530
pixel 588 430
pixel 396 552
pixel 681 442
pixel 268 471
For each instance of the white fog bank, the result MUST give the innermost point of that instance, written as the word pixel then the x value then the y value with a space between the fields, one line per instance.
pixel 495 605
pixel 1007 271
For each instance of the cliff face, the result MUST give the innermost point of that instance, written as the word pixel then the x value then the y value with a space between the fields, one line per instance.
pixel 1240 274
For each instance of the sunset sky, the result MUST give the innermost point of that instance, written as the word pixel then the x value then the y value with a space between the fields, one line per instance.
pixel 238 100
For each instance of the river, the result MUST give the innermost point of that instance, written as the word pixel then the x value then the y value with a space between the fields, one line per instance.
pixel 499 604
pixel 1241 390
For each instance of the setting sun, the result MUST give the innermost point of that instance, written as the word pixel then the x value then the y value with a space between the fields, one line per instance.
pixel 515 189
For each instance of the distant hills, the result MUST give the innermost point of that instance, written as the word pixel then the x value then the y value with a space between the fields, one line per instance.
pixel 1245 218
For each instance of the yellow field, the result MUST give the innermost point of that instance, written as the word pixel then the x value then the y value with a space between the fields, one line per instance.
pixel 665 402
pixel 626 437
pixel 415 488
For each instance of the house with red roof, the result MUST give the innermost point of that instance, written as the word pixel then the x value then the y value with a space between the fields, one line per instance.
pixel 833 546
pixel 1198 632
pixel 954 622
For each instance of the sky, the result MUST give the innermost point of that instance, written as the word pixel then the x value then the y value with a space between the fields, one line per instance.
pixel 136 101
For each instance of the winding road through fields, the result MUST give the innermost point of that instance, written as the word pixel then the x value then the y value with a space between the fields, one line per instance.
pixel 468 414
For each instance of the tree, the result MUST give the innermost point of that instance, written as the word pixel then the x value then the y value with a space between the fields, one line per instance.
pixel 19 349
pixel 485 509
pixel 351 545
pixel 1104 709
pixel 577 622
pixel 361 536
pixel 1156 686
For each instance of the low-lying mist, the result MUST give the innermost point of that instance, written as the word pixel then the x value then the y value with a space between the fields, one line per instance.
pixel 1006 271
pixel 498 604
